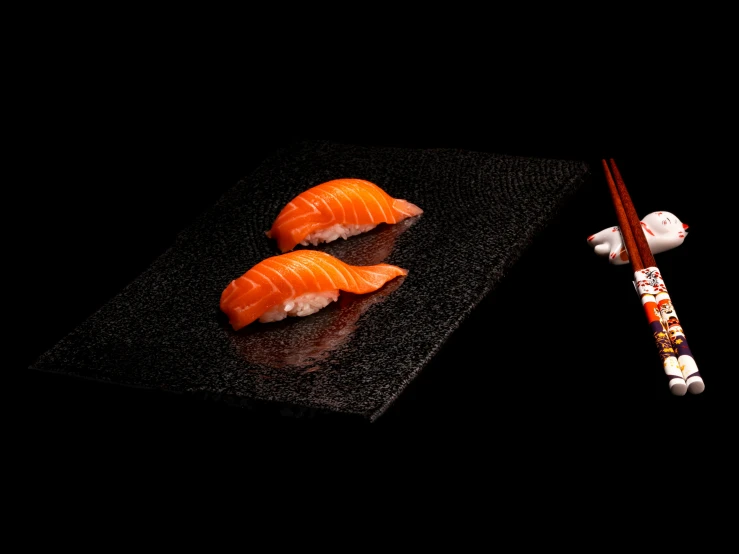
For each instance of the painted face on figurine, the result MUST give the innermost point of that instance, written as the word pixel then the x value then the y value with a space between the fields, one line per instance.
pixel 663 231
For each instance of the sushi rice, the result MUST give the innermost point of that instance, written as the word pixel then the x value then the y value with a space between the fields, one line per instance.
pixel 305 304
pixel 334 232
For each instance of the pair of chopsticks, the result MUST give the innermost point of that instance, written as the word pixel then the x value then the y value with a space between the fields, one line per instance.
pixel 677 360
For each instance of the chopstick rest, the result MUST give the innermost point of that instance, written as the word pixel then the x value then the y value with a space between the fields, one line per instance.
pixel 663 231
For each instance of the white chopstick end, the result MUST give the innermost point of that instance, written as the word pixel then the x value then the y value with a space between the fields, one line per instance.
pixel 678 387
pixel 695 384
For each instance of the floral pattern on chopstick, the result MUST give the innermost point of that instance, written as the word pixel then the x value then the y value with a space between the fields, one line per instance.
pixel 649 280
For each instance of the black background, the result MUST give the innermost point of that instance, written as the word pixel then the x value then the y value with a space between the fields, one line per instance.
pixel 122 159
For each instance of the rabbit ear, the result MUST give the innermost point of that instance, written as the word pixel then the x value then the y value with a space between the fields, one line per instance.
pixel 646 228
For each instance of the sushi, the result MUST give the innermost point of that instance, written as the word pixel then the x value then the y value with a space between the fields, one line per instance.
pixel 298 283
pixel 337 208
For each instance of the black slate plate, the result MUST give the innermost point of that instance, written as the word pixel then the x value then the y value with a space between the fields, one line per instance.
pixel 164 331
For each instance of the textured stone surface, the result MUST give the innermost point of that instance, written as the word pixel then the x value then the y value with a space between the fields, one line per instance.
pixel 165 330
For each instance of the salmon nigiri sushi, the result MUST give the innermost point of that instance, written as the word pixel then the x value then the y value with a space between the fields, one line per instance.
pixel 337 208
pixel 298 283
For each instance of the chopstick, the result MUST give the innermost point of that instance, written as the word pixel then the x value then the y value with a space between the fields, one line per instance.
pixel 653 292
pixel 670 363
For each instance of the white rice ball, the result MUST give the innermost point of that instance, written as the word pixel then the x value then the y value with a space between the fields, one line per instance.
pixel 300 306
pixel 334 232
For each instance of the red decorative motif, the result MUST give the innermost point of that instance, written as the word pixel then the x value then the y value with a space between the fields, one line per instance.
pixel 651 280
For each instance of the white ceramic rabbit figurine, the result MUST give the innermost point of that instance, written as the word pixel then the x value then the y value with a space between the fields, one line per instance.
pixel 663 230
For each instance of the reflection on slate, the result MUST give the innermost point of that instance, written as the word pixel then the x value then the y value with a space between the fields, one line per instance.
pixel 165 331
pixel 305 344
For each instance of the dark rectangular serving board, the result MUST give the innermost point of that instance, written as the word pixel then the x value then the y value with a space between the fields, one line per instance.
pixel 164 331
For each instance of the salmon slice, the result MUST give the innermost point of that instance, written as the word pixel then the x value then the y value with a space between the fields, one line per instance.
pixel 298 283
pixel 334 209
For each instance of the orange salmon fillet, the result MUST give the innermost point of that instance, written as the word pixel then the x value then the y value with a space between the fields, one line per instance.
pixel 337 202
pixel 286 276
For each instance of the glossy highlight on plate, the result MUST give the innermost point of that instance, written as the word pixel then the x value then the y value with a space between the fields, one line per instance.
pixel 310 346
